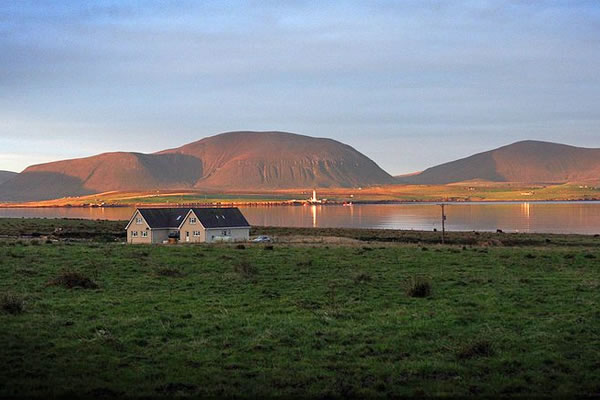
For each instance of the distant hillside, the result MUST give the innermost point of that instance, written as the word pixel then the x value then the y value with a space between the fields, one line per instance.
pixel 6 175
pixel 280 160
pixel 233 160
pixel 527 161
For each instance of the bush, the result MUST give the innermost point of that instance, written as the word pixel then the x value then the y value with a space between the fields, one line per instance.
pixel 12 304
pixel 419 287
pixel 361 277
pixel 73 279
pixel 305 263
pixel 26 271
pixel 246 269
pixel 478 348
pixel 168 271
pixel 240 247
pixel 269 247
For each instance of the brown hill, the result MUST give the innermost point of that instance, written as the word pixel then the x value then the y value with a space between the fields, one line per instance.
pixel 233 160
pixel 6 175
pixel 280 160
pixel 527 162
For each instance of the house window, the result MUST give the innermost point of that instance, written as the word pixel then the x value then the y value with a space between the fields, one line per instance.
pixel 192 220
pixel 138 220
pixel 225 233
pixel 134 234
pixel 144 233
pixel 196 233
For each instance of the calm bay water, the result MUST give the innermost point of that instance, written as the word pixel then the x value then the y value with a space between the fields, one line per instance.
pixel 549 217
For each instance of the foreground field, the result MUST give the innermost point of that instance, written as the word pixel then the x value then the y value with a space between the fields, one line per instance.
pixel 304 319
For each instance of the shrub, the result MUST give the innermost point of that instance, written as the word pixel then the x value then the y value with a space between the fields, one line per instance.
pixel 26 271
pixel 168 271
pixel 269 247
pixel 240 247
pixel 246 269
pixel 478 348
pixel 306 263
pixel 362 277
pixel 419 287
pixel 12 304
pixel 73 279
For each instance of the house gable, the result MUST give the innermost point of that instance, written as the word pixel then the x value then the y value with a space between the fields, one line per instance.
pixel 135 216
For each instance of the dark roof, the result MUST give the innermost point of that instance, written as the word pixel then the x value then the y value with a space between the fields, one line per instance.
pixel 164 217
pixel 220 217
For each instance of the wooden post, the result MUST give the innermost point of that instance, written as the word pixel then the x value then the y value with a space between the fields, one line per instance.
pixel 443 223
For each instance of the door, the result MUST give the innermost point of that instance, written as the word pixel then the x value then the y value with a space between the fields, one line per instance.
pixel 187 236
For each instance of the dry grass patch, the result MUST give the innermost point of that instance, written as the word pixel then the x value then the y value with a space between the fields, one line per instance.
pixel 419 287
pixel 73 279
pixel 170 272
pixel 246 269
pixel 361 277
pixel 478 348
pixel 12 303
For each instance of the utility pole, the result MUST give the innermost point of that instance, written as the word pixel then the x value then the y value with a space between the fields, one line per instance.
pixel 443 223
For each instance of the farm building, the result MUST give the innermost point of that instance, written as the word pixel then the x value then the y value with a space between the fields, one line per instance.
pixel 187 225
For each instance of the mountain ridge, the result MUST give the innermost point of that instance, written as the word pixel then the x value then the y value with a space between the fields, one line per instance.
pixel 241 159
pixel 528 161
pixel 6 175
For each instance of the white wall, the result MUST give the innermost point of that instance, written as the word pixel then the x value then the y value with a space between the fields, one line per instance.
pixel 237 234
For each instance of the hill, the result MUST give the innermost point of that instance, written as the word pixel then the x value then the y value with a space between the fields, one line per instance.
pixel 280 160
pixel 6 175
pixel 526 162
pixel 233 160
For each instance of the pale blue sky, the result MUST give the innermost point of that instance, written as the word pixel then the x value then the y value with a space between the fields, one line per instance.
pixel 409 83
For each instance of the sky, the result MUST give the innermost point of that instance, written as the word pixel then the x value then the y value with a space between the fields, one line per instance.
pixel 410 84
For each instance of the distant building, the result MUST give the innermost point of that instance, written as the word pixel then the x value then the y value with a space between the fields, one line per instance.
pixel 187 225
pixel 314 199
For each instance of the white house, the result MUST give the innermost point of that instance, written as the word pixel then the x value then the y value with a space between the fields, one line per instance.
pixel 187 225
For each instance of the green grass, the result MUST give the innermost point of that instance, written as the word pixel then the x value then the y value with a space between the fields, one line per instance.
pixel 300 320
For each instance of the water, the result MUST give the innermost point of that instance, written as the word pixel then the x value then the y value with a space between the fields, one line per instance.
pixel 550 217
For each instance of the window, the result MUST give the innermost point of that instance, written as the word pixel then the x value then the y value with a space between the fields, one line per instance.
pixel 225 232
pixel 138 220
pixel 196 233
pixel 192 220
pixel 134 234
pixel 144 233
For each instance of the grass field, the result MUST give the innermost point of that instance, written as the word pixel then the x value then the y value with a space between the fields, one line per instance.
pixel 296 319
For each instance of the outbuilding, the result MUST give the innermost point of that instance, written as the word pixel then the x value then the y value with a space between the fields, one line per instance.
pixel 187 225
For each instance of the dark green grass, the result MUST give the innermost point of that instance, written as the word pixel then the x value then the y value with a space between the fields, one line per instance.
pixel 300 321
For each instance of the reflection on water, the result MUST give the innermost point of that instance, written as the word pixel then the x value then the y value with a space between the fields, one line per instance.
pixel 555 217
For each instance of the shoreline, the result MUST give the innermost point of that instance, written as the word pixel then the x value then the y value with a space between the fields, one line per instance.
pixel 113 230
pixel 293 203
